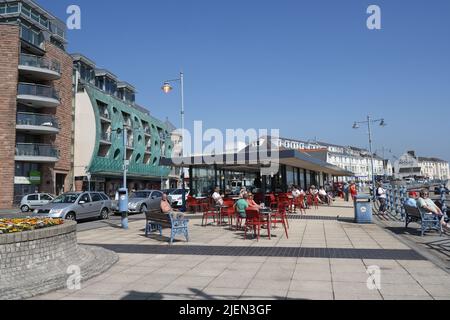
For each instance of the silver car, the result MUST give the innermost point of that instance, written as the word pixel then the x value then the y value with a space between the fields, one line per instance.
pixel 34 201
pixel 77 206
pixel 141 201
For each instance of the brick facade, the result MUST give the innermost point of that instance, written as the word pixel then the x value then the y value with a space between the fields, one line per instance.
pixel 63 141
pixel 9 60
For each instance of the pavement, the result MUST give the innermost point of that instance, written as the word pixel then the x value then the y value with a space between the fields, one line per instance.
pixel 327 257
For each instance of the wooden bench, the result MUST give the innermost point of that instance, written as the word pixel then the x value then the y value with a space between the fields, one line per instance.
pixel 156 221
pixel 426 221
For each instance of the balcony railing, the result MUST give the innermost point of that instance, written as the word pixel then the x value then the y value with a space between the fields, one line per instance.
pixel 37 90
pixel 39 62
pixel 105 136
pixel 36 150
pixel 33 119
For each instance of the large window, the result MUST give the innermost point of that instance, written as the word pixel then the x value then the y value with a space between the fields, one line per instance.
pixel 24 169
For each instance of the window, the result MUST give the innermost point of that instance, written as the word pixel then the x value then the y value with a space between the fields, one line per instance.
pixel 12 8
pixel 46 197
pixel 157 195
pixel 96 197
pixel 117 154
pixel 104 196
pixel 85 197
pixel 33 197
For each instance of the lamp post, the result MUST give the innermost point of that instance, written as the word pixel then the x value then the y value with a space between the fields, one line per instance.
pixel 369 123
pixel 167 88
pixel 123 131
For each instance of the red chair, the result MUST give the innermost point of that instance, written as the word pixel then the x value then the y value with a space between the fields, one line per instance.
pixel 299 203
pixel 254 221
pixel 280 217
pixel 228 212
pixel 193 204
pixel 273 203
pixel 208 213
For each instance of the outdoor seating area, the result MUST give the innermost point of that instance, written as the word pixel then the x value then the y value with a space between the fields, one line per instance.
pixel 275 211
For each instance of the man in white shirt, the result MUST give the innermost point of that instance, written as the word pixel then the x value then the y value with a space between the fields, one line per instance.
pixel 381 195
pixel 217 197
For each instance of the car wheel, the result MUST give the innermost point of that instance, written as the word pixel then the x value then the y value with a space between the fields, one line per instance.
pixel 143 208
pixel 104 215
pixel 25 209
pixel 71 216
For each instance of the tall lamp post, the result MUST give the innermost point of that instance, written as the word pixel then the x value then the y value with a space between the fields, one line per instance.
pixel 123 131
pixel 167 88
pixel 369 123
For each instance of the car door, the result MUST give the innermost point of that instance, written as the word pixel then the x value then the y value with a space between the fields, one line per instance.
pixel 84 208
pixel 33 201
pixel 97 204
pixel 155 200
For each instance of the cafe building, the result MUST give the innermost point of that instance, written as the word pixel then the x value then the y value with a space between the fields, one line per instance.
pixel 251 168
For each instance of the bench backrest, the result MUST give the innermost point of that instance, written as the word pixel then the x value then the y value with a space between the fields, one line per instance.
pixel 159 217
pixel 413 212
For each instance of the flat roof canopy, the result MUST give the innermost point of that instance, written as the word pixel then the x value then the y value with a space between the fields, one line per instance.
pixel 253 161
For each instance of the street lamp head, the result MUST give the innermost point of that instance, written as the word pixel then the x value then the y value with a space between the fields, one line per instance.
pixel 355 125
pixel 167 88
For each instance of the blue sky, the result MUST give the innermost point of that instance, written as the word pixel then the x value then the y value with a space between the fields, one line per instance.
pixel 308 67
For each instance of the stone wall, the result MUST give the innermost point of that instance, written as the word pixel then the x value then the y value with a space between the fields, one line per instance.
pixel 25 250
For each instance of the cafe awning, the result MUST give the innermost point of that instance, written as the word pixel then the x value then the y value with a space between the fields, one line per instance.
pixel 253 160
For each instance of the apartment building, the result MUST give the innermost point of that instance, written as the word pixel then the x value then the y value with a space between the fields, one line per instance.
pixel 35 102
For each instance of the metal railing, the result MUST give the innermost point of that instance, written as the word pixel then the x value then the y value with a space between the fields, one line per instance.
pixel 39 62
pixel 36 150
pixel 34 119
pixel 37 90
pixel 105 136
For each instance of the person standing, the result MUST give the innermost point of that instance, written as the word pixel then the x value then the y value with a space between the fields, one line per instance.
pixel 382 197
pixel 346 191
pixel 353 191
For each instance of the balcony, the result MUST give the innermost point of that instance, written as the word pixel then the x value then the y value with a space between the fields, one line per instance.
pixel 37 96
pixel 105 138
pixel 36 153
pixel 39 68
pixel 36 124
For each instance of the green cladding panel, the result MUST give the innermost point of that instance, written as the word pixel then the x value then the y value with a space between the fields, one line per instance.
pixel 111 162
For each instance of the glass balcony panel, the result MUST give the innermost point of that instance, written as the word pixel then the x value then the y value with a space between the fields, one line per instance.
pixel 37 90
pixel 32 119
pixel 39 62
pixel 36 150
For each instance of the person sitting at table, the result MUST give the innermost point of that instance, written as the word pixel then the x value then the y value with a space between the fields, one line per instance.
pixel 324 197
pixel 251 202
pixel 218 200
pixel 241 206
pixel 243 192
pixel 167 208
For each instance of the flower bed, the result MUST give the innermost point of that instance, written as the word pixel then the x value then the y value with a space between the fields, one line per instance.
pixel 21 225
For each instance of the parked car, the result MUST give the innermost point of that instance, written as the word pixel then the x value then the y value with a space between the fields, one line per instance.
pixel 141 201
pixel 176 197
pixel 34 201
pixel 168 191
pixel 77 206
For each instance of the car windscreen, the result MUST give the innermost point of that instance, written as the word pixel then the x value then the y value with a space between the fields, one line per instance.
pixel 140 195
pixel 66 198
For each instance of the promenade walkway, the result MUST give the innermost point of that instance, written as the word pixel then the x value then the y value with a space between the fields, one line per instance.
pixel 326 257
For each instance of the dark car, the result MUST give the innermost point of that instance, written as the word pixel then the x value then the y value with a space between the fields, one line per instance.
pixel 437 191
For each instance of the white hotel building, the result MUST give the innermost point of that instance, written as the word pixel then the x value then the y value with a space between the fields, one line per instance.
pixel 352 159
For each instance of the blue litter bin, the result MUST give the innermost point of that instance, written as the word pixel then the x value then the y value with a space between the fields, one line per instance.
pixel 363 209
pixel 123 206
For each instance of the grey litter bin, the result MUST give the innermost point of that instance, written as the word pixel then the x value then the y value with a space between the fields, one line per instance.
pixel 363 209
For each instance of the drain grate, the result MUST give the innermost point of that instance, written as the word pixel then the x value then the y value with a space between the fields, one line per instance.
pixel 282 252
